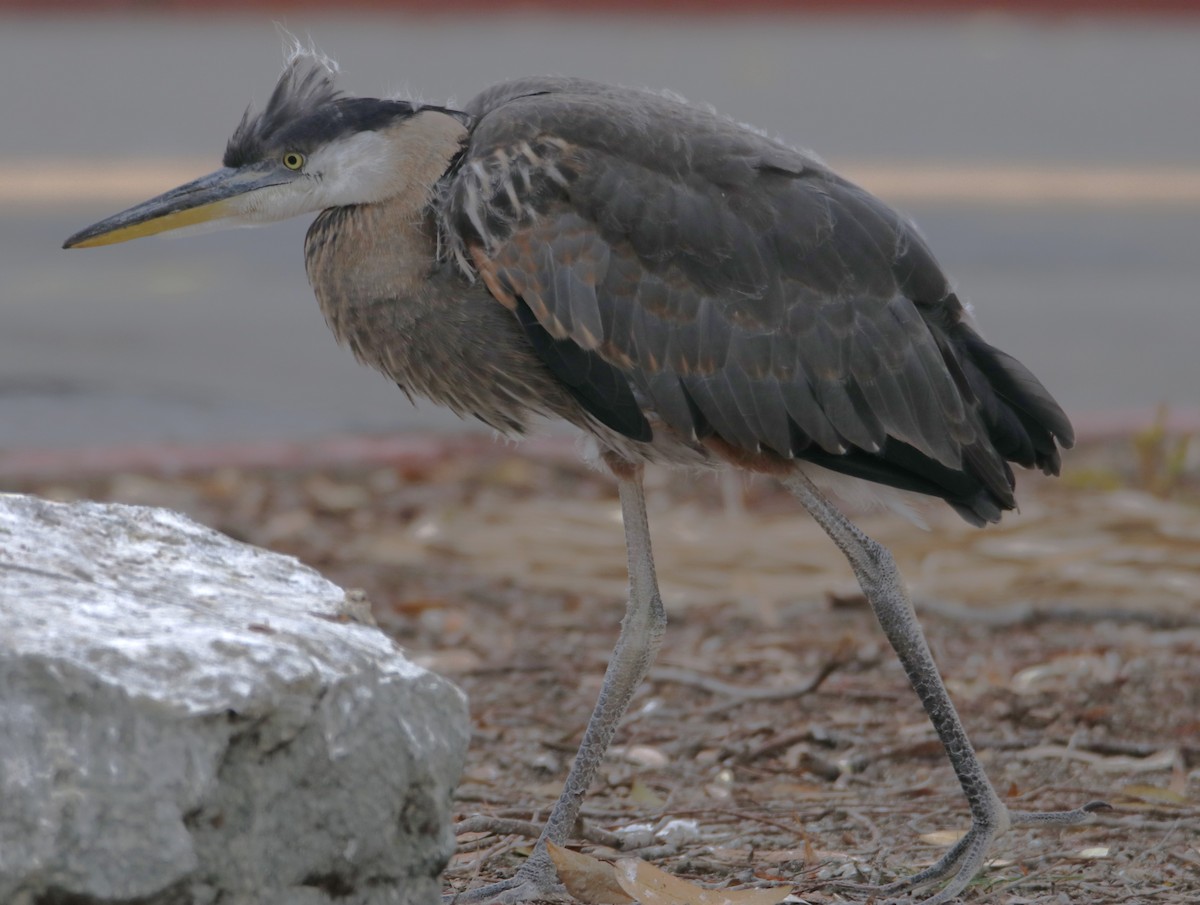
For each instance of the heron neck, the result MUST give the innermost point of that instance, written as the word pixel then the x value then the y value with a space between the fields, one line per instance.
pixel 361 254
pixel 419 151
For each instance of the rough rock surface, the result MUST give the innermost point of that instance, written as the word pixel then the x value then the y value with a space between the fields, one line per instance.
pixel 186 719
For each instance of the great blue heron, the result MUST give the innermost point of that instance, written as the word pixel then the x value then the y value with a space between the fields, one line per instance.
pixel 683 289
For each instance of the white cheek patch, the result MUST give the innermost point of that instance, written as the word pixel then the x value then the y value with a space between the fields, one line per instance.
pixel 357 169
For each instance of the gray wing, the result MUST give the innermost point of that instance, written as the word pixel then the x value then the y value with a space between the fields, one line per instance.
pixel 742 289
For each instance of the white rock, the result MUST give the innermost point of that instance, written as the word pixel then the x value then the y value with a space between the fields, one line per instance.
pixel 188 719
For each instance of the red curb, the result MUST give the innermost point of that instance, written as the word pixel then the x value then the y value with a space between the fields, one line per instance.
pixel 415 450
pixel 409 450
pixel 1036 8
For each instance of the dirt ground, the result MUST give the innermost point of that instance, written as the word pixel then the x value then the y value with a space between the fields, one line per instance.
pixel 777 741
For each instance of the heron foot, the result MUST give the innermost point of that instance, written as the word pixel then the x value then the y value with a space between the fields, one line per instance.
pixel 966 858
pixel 536 881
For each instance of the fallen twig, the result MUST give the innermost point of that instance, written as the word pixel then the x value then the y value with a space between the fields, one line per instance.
pixel 1029 614
pixel 741 693
pixel 508 826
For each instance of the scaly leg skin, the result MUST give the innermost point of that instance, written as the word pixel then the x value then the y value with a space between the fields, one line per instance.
pixel 990 817
pixel 641 634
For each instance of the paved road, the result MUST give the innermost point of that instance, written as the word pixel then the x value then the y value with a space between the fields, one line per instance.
pixel 218 338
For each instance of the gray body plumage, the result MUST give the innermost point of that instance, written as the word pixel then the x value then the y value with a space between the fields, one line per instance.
pixel 684 288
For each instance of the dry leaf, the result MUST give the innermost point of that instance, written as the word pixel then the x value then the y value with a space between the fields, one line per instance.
pixel 645 756
pixel 651 886
pixel 942 837
pixel 455 661
pixel 786 856
pixel 1179 777
pixel 642 794
pixel 1092 667
pixel 810 852
pixel 330 496
pixel 588 879
pixel 1117 763
pixel 1153 794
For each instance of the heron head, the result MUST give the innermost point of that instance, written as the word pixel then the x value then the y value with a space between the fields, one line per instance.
pixel 310 148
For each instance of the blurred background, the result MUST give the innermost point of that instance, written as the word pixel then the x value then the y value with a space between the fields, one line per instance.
pixel 1050 151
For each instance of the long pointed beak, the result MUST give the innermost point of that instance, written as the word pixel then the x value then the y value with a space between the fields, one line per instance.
pixel 207 198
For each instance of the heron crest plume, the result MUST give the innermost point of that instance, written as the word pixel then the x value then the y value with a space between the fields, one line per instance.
pixel 305 86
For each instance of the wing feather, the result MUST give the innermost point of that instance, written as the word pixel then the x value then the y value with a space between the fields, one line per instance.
pixel 739 289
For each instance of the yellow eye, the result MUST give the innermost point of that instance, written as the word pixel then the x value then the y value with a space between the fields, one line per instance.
pixel 293 160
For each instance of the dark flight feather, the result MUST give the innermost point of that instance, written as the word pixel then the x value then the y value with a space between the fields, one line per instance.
pixel 600 388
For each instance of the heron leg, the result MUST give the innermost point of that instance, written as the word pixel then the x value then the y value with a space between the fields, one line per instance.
pixel 880 580
pixel 638 642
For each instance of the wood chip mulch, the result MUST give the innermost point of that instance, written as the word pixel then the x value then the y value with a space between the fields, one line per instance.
pixel 777 740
